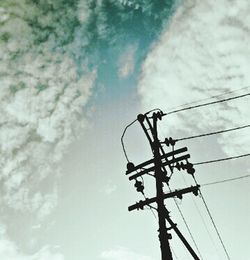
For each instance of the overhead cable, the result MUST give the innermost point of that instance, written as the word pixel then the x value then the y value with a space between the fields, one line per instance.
pixel 223 159
pixel 123 146
pixel 188 228
pixel 206 104
pixel 225 180
pixel 213 222
pixel 211 97
pixel 213 133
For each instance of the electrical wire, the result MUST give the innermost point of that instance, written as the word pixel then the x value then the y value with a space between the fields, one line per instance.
pixel 223 159
pixel 215 96
pixel 188 229
pixel 126 128
pixel 205 226
pixel 202 219
pixel 153 110
pixel 213 133
pixel 175 256
pixel 186 224
pixel 225 180
pixel 206 104
pixel 213 222
pixel 123 146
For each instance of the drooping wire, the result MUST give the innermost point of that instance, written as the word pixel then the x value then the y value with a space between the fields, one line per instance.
pixel 206 104
pixel 188 228
pixel 122 142
pixel 152 110
pixel 225 180
pixel 203 221
pixel 175 256
pixel 146 198
pixel 211 97
pixel 223 159
pixel 213 222
pixel 152 207
pixel 212 133
pixel 126 128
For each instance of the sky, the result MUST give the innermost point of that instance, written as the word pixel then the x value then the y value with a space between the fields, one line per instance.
pixel 73 74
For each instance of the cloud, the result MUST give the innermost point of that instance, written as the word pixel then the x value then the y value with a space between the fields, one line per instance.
pixel 121 253
pixel 10 251
pixel 46 79
pixel 203 52
pixel 109 188
pixel 127 62
pixel 49 56
pixel 42 99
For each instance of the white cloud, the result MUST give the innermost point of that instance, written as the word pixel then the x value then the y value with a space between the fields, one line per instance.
pixel 10 251
pixel 41 111
pixel 121 253
pixel 127 62
pixel 204 51
pixel 109 188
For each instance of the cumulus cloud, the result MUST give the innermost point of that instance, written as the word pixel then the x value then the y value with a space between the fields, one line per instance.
pixel 49 55
pixel 46 49
pixel 203 52
pixel 42 98
pixel 127 62
pixel 10 251
pixel 121 253
pixel 109 188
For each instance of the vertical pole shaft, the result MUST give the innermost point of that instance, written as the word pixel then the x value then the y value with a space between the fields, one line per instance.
pixel 182 238
pixel 163 234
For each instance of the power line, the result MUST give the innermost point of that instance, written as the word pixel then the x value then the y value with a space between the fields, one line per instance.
pixel 202 219
pixel 225 180
pixel 125 130
pixel 213 222
pixel 188 228
pixel 223 159
pixel 123 134
pixel 215 96
pixel 213 133
pixel 206 104
pixel 205 225
pixel 186 224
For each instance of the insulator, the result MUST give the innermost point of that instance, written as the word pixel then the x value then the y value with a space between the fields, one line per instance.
pixel 190 168
pixel 170 141
pixel 179 196
pixel 159 115
pixel 166 142
pixel 195 192
pixel 140 205
pixel 169 236
pixel 139 186
pixel 130 166
pixel 180 166
pixel 140 118
pixel 166 179
pixel 183 166
pixel 177 166
pixel 140 189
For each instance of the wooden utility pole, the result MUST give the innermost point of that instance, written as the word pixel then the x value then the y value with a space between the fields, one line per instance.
pixel 159 161
pixel 163 234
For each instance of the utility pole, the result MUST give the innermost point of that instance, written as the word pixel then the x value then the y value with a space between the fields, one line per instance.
pixel 157 166
pixel 163 234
